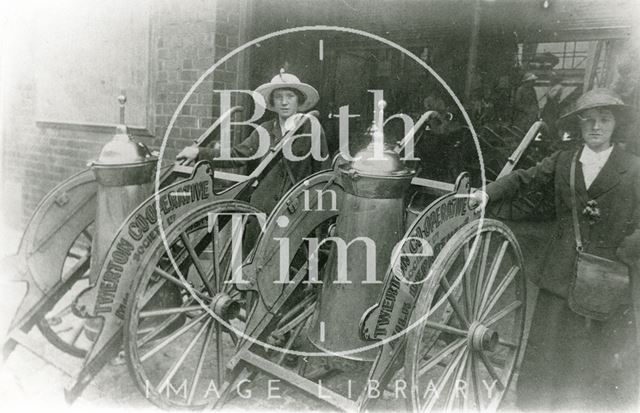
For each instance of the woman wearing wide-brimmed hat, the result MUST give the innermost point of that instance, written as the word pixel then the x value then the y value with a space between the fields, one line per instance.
pixel 571 361
pixel 286 96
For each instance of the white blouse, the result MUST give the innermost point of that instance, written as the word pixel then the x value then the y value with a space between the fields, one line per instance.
pixel 592 162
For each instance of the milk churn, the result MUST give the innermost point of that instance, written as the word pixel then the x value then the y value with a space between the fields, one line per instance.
pixel 375 184
pixel 124 171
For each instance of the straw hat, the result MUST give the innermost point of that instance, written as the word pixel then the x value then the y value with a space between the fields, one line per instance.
pixel 288 81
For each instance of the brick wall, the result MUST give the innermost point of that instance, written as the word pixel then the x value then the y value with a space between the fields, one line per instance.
pixel 186 38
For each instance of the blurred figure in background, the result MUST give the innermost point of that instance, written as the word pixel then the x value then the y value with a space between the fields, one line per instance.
pixel 525 103
pixel 551 110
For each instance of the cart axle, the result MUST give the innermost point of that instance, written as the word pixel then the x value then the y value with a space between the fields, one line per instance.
pixel 224 306
pixel 482 338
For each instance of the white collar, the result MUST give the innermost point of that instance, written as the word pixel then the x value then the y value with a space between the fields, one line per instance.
pixel 589 157
pixel 289 123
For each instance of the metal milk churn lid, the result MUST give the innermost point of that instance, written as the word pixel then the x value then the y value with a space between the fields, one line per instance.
pixel 376 171
pixel 123 161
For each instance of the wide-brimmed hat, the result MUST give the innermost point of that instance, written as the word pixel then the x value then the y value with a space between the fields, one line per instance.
pixel 529 76
pixel 288 81
pixel 599 98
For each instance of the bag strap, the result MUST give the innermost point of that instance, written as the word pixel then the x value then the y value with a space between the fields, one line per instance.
pixel 574 206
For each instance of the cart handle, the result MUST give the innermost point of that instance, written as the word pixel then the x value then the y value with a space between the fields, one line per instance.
pixel 207 135
pixel 204 139
pixel 426 117
pixel 529 137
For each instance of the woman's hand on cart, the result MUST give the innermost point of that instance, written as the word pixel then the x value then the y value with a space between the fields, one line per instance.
pixel 478 200
pixel 188 155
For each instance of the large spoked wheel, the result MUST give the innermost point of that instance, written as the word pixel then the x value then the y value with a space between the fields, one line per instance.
pixel 176 343
pixel 464 352
pixel 60 325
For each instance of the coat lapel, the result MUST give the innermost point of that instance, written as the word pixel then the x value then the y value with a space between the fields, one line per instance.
pixel 610 174
pixel 276 132
pixel 581 189
pixel 565 173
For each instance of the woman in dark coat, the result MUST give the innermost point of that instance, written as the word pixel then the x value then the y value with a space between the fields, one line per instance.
pixel 286 96
pixel 572 362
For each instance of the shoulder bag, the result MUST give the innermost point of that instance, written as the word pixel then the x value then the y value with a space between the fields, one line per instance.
pixel 600 286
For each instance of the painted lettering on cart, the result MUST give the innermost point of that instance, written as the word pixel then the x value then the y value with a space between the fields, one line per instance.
pixel 451 208
pixel 143 230
pixel 182 196
pixel 109 284
pixel 388 300
pixel 411 269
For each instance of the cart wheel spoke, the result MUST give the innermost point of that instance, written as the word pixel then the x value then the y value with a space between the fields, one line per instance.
pixel 495 267
pixel 232 251
pixel 219 353
pixel 215 268
pixel 475 373
pixel 481 272
pixel 471 255
pixel 60 325
pixel 154 332
pixel 502 287
pixel 432 397
pixel 293 323
pixel 508 344
pixel 176 365
pixel 472 394
pixel 491 369
pixel 446 328
pixel 170 310
pixel 151 292
pixel 169 339
pixel 453 302
pixel 438 357
pixel 77 334
pixel 197 264
pixel 198 371
pixel 454 390
pixel 232 335
pixel 502 313
pixel 177 282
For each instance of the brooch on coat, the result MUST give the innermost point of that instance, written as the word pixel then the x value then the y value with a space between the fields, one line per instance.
pixel 592 212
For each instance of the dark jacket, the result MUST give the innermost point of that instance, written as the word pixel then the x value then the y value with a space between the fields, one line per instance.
pixel 616 190
pixel 525 107
pixel 276 181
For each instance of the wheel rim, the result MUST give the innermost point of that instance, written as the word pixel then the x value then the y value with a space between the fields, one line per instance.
pixel 60 325
pixel 176 351
pixel 464 354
